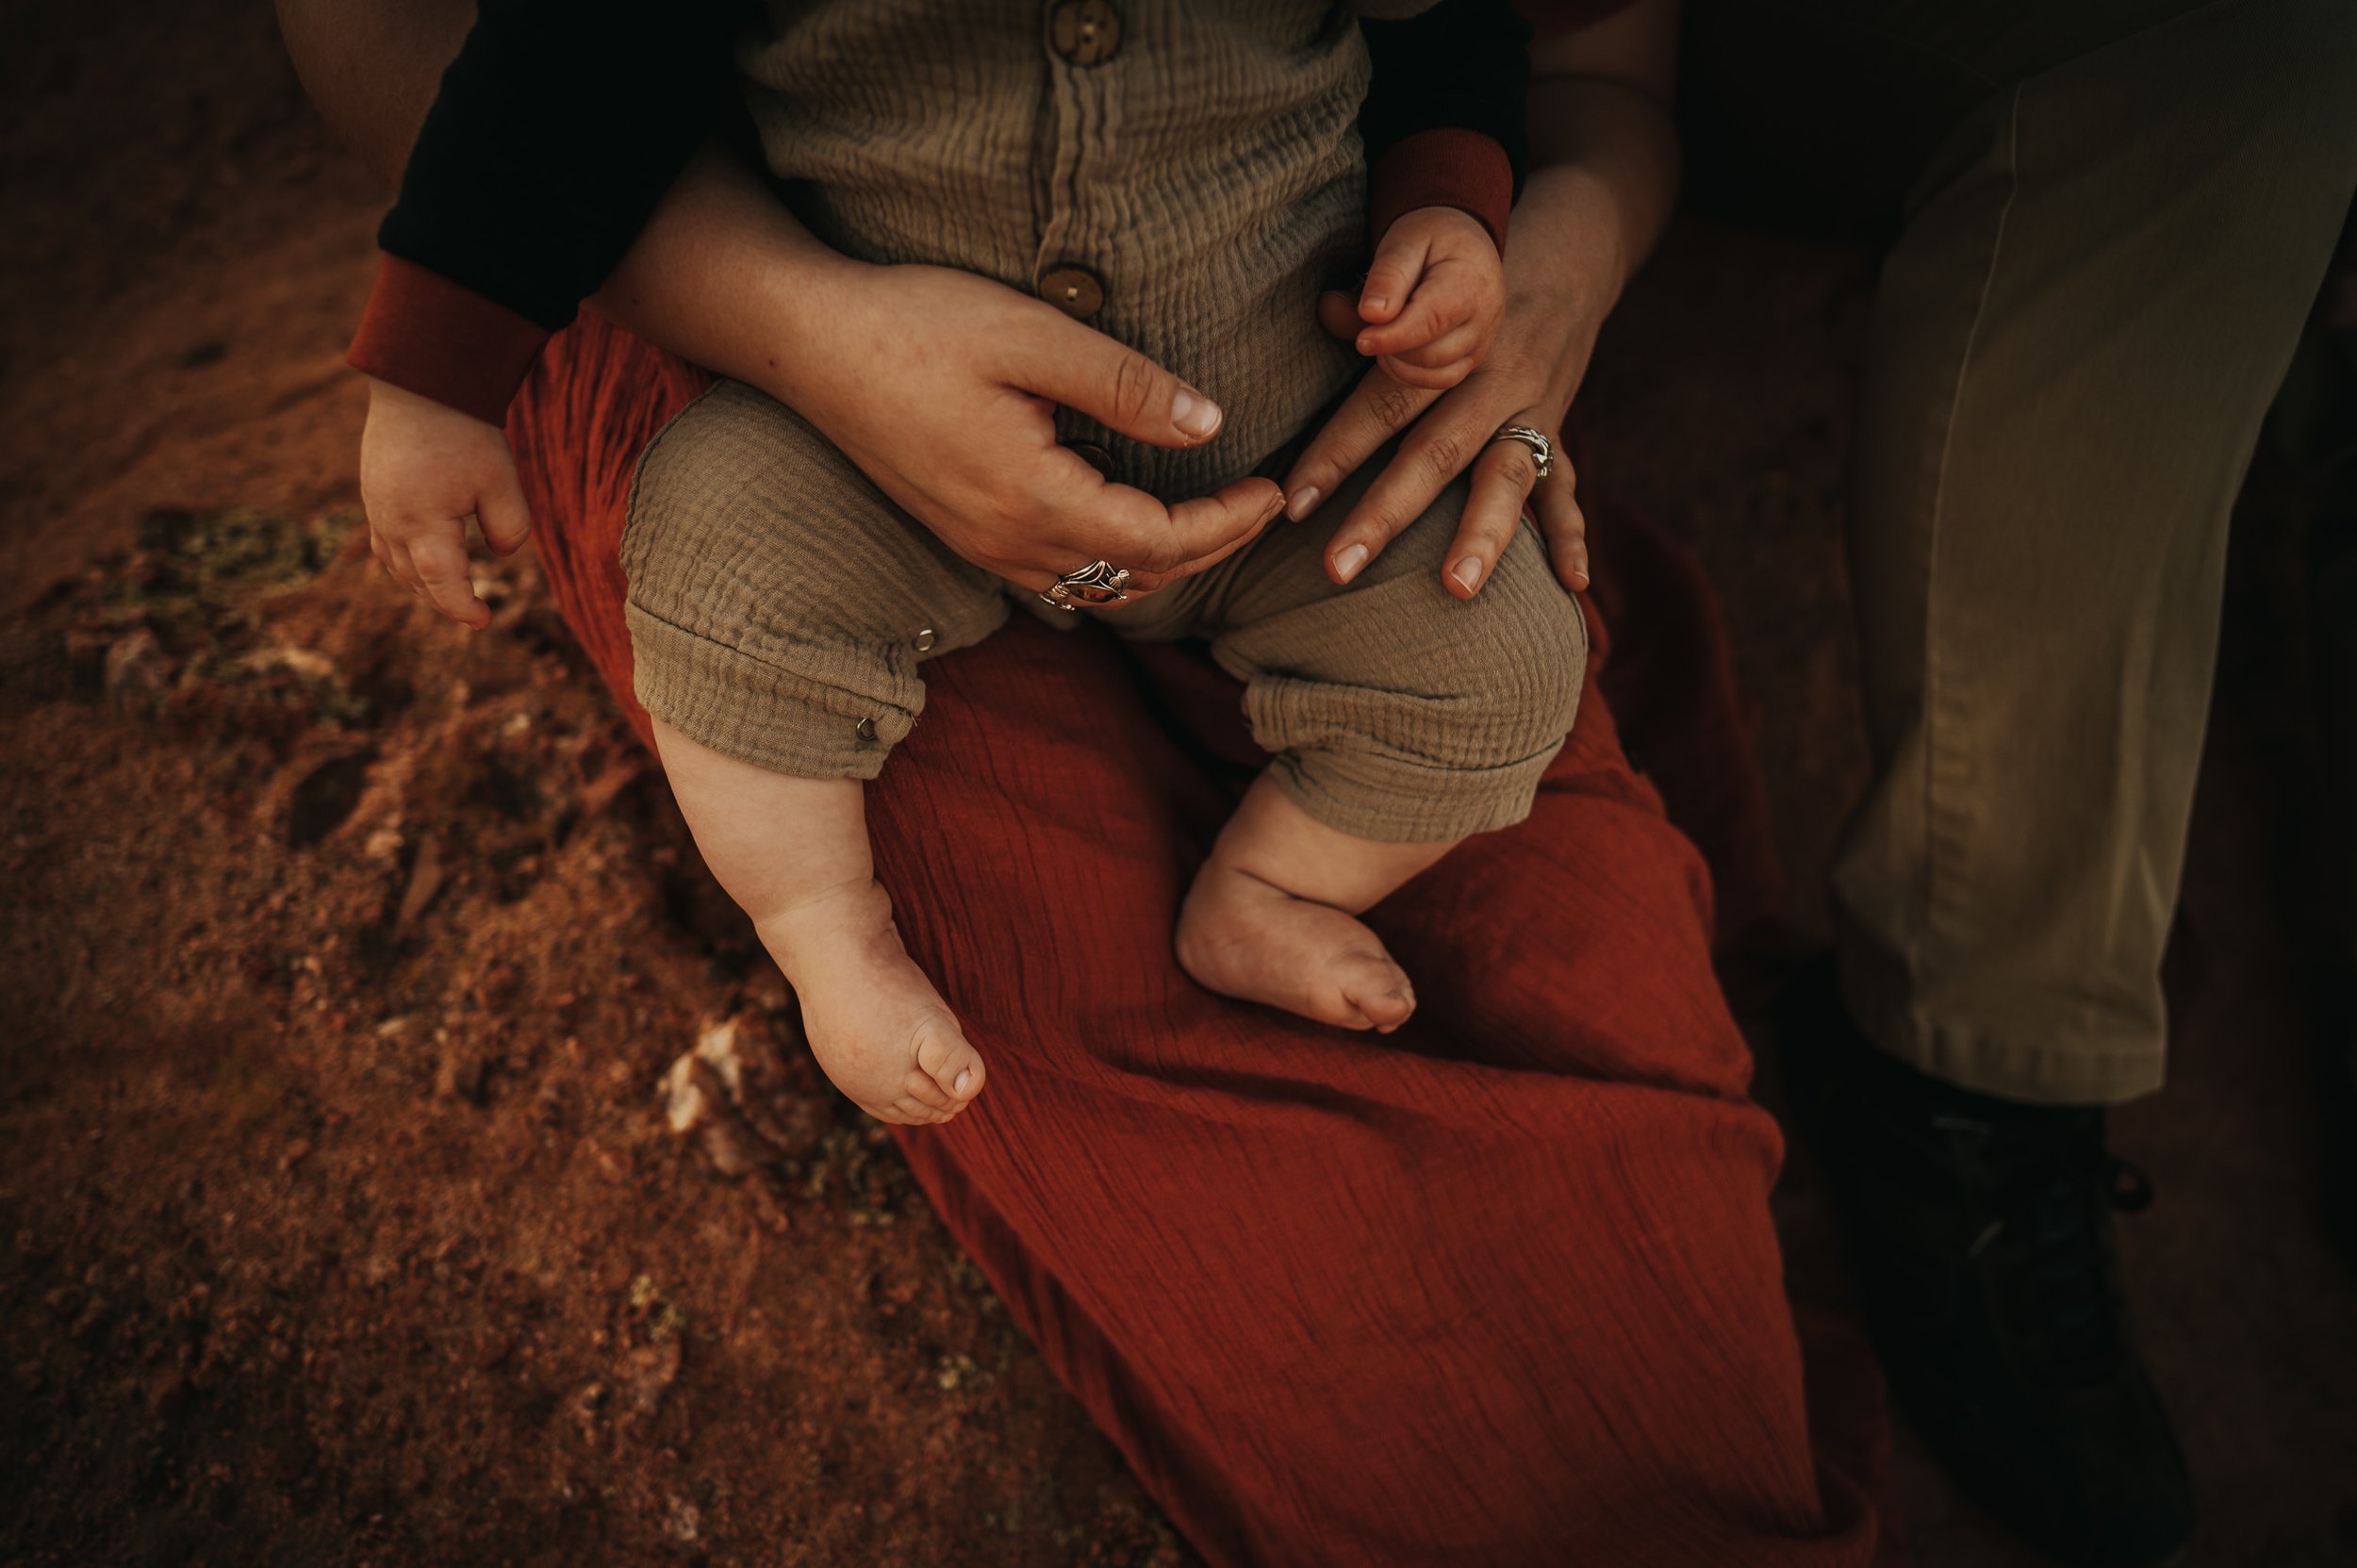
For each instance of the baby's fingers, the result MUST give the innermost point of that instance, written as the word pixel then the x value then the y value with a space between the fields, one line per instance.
pixel 1394 274
pixel 506 521
pixel 1438 366
pixel 440 561
pixel 1427 316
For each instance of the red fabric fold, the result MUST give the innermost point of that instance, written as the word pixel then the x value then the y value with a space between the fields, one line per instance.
pixel 442 341
pixel 1499 1288
pixel 1446 167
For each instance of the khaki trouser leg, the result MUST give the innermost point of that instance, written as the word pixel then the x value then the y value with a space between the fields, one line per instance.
pixel 2099 283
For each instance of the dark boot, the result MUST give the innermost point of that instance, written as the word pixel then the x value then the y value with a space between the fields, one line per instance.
pixel 1979 1233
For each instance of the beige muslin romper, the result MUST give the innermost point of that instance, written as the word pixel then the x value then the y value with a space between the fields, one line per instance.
pixel 1180 175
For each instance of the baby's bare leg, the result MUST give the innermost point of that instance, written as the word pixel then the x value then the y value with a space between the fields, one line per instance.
pixel 793 853
pixel 1271 917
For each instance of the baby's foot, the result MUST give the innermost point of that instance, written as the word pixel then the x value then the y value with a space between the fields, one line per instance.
pixel 1243 937
pixel 876 1024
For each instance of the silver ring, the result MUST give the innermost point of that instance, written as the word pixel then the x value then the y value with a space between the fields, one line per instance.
pixel 1542 447
pixel 1097 583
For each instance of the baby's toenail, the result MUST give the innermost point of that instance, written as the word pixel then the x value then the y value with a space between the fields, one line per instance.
pixel 964 1078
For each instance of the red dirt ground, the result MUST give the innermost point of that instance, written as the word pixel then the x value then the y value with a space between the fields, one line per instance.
pixel 342 952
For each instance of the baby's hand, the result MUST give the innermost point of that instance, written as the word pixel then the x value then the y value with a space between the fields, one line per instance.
pixel 424 469
pixel 1433 299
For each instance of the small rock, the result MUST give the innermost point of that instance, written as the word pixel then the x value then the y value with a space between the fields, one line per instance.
pixel 757 1070
pixel 425 880
pixel 311 666
pixel 725 1044
pixel 648 1371
pixel 696 1102
pixel 691 1092
pixel 137 663
pixel 459 1075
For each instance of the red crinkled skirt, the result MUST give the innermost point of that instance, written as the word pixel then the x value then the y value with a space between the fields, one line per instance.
pixel 1498 1290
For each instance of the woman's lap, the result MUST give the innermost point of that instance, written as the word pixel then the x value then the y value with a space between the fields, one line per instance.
pixel 1496 1288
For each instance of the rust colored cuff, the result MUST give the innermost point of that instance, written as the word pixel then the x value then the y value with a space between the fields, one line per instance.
pixel 442 341
pixel 1444 167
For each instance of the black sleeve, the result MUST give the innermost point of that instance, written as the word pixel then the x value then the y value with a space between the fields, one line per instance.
pixel 556 131
pixel 1463 64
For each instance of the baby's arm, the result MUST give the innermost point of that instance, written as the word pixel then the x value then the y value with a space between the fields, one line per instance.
pixel 554 135
pixel 1447 143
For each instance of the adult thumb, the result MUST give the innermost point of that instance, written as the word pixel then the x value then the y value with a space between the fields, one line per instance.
pixel 1117 387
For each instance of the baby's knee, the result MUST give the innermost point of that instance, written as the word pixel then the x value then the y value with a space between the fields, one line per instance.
pixel 1399 713
pixel 751 551
pixel 1524 660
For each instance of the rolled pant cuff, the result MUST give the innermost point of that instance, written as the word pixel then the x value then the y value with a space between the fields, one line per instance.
pixel 2058 1070
pixel 740 706
pixel 1391 801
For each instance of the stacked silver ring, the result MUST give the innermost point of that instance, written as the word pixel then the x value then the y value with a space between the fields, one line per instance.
pixel 1542 446
pixel 1097 583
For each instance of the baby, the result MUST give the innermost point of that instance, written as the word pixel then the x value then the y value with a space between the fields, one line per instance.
pixel 1180 177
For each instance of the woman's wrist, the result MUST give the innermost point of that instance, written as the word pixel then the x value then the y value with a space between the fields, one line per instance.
pixel 724 275
pixel 1566 263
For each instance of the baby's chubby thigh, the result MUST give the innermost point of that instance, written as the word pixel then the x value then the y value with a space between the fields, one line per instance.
pixel 1397 711
pixel 779 604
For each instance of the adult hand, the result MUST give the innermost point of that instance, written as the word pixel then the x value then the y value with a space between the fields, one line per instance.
pixel 941 386
pixel 1541 353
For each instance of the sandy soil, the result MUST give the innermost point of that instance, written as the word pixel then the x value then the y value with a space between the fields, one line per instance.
pixel 343 954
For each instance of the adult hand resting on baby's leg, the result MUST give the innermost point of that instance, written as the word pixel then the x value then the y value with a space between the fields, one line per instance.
pixel 877 1026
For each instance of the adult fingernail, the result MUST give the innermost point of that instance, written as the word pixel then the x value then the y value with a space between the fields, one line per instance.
pixel 1468 572
pixel 1375 302
pixel 1304 502
pixel 1349 559
pixel 1194 413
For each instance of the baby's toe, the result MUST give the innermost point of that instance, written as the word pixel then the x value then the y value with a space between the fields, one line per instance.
pixel 913 1113
pixel 918 1085
pixel 1379 989
pixel 954 1067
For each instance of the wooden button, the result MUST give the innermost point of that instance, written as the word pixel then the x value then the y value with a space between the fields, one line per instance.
pixel 1073 289
pixel 1094 456
pixel 1086 32
pixel 923 641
